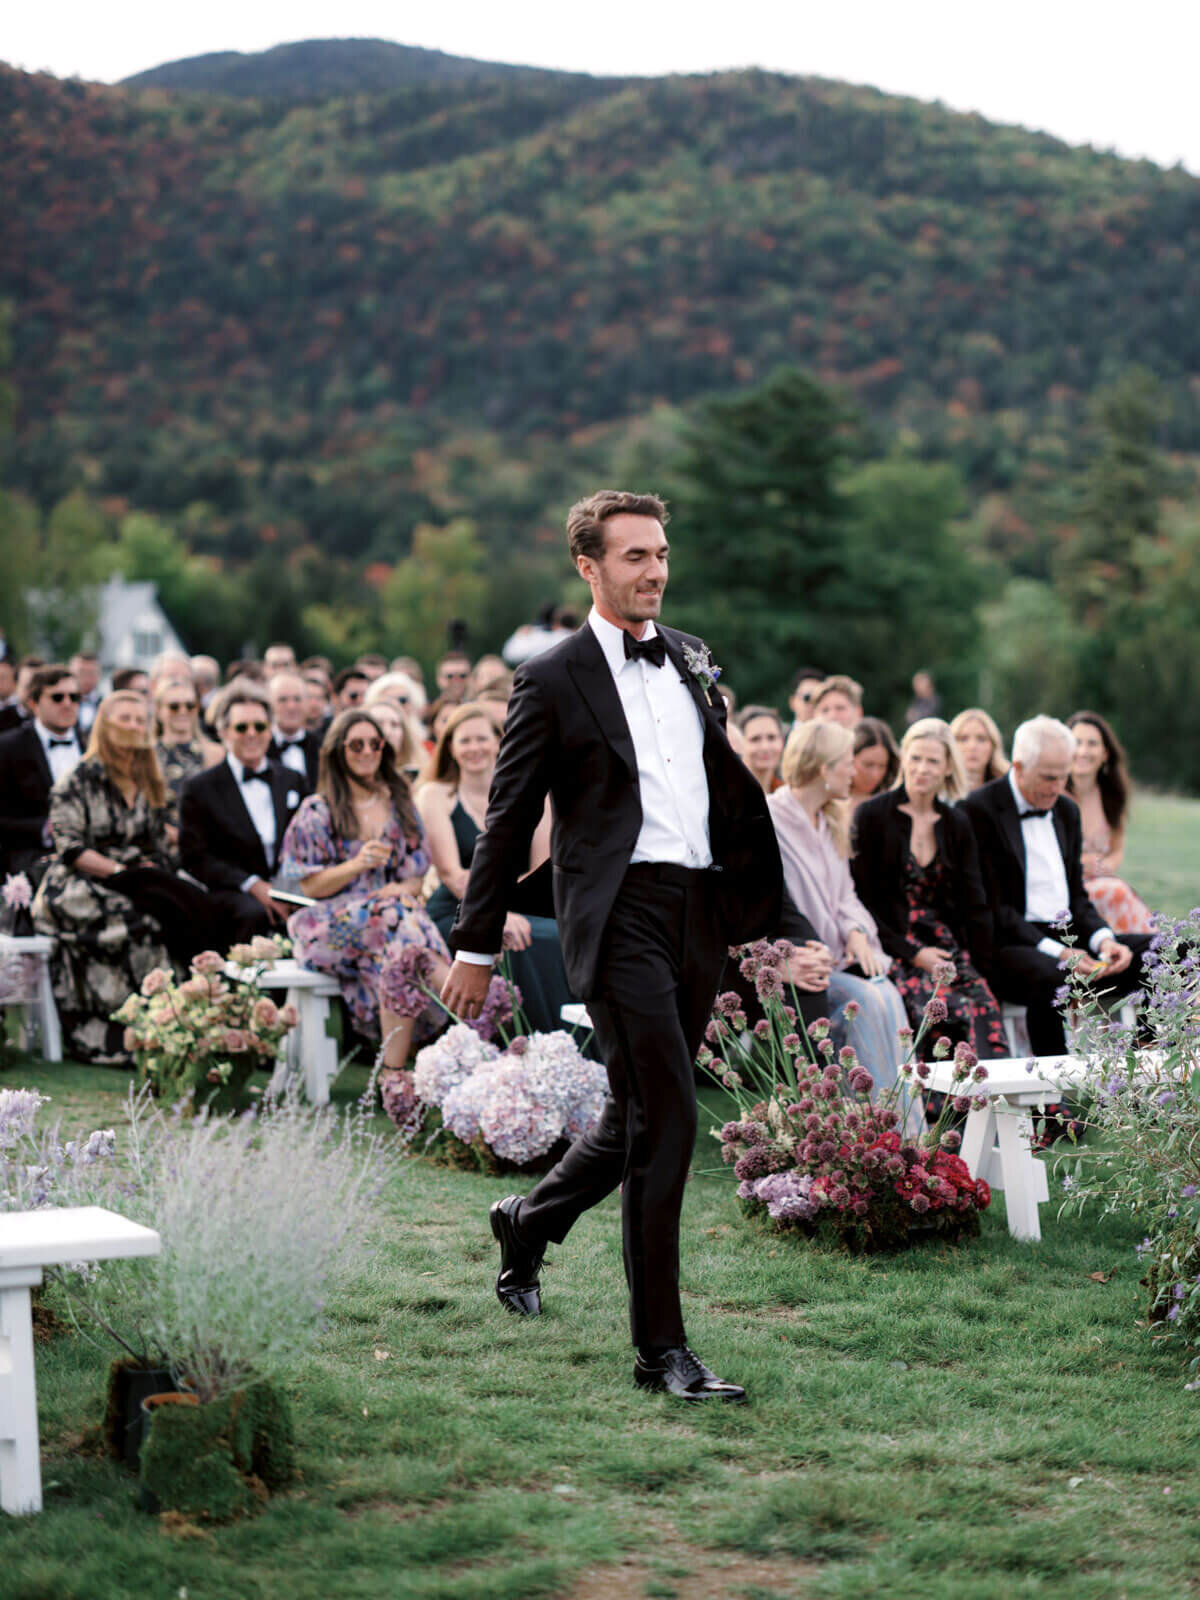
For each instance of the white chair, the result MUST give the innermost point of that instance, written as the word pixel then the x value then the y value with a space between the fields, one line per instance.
pixel 37 949
pixel 29 1241
pixel 312 1053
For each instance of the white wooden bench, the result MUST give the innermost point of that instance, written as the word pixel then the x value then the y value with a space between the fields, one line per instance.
pixel 29 1241
pixel 36 948
pixel 311 1053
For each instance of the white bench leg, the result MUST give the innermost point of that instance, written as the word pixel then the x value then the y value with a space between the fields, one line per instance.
pixel 979 1137
pixel 47 1013
pixel 20 1464
pixel 1021 1176
pixel 319 1051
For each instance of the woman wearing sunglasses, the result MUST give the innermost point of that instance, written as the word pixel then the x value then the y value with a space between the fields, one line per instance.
pixel 181 749
pixel 358 848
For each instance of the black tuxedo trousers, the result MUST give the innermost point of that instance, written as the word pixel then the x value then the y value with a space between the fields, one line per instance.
pixel 659 966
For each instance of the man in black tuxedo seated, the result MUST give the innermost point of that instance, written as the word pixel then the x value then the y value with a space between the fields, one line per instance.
pixel 291 742
pixel 1030 842
pixel 232 817
pixel 663 856
pixel 33 757
pixel 17 707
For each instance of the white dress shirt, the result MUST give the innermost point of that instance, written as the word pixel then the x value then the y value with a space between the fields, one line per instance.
pixel 260 803
pixel 1046 893
pixel 668 745
pixel 291 754
pixel 63 758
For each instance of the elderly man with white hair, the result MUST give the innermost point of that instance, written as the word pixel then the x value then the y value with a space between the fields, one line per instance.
pixel 1030 846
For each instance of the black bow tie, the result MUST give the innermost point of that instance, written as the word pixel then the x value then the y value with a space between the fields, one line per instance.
pixel 62 744
pixel 652 650
pixel 287 744
pixel 261 777
pixel 1028 816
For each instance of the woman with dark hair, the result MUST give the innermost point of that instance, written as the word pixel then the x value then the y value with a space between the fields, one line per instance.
pixel 358 848
pixel 876 760
pixel 453 805
pixel 762 733
pixel 110 897
pixel 1099 784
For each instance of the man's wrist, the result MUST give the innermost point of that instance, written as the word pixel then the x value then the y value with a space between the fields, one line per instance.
pixel 248 883
pixel 1100 938
pixel 473 958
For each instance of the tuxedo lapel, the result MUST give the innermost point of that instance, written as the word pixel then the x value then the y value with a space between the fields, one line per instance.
pixel 37 754
pixel 1060 829
pixel 703 700
pixel 283 779
pixel 591 676
pixel 1010 824
pixel 236 809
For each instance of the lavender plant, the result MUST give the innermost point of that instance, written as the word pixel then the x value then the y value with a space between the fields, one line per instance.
pixel 1144 1105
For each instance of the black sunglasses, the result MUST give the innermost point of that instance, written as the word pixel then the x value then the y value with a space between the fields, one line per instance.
pixel 59 695
pixel 357 746
pixel 249 727
pixel 181 705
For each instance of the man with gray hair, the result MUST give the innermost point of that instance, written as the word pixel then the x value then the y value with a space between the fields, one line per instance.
pixel 1030 846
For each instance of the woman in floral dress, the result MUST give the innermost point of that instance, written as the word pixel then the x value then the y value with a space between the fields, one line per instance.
pixel 358 848
pixel 1099 784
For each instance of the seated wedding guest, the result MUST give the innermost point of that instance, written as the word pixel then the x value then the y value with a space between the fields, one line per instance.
pixel 349 687
pixel 411 668
pixel 109 897
pixel 876 760
pixel 452 673
pixel 399 690
pixel 316 703
pixel 292 743
pixel 232 817
pixel 811 819
pixel 916 868
pixel 358 848
pixel 279 658
pixel 132 680
pixel 206 679
pixel 762 731
pixel 437 714
pixel 487 671
pixel 181 748
pixel 392 695
pixel 170 666
pixel 85 665
pixel 495 702
pixel 1031 849
pixel 805 684
pixel 926 701
pixel 33 757
pixel 8 683
pixel 453 806
pixel 838 699
pixel 245 667
pixel 980 747
pixel 20 710
pixel 373 664
pixel 1099 786
pixel 321 664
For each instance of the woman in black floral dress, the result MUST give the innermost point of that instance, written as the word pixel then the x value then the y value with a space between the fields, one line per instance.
pixel 916 868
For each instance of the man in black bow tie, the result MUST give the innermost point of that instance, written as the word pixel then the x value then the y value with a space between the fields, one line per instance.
pixel 33 757
pixel 1030 846
pixel 232 817
pixel 663 855
pixel 291 742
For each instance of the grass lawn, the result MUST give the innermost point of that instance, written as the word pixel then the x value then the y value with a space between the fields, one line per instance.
pixel 986 1422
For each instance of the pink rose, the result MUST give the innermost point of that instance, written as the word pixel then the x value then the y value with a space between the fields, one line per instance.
pixel 266 1014
pixel 208 961
pixel 155 982
pixel 241 955
pixel 288 1015
pixel 235 1041
pixel 194 989
pixel 262 948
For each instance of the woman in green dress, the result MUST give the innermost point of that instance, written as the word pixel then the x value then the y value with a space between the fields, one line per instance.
pixel 453 805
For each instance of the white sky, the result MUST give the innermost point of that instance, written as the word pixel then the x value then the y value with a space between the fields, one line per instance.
pixel 1110 73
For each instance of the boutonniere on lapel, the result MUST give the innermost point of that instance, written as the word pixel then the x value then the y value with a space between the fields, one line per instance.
pixel 702 667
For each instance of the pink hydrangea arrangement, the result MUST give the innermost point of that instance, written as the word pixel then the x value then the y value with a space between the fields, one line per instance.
pixel 813 1152
pixel 200 1040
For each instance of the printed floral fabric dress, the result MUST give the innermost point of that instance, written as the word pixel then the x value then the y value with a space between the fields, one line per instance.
pixel 1122 909
pixel 179 762
pixel 973 1012
pixel 356 935
pixel 105 945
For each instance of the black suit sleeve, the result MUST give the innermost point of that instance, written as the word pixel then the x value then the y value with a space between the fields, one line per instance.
pixel 871 872
pixel 194 834
pixel 972 895
pixel 995 859
pixel 515 805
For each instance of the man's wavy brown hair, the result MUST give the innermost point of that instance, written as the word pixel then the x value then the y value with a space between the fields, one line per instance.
pixel 586 518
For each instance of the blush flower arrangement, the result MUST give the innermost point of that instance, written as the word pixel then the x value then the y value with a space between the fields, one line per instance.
pixel 491 1095
pixel 200 1040
pixel 813 1153
pixel 1144 1105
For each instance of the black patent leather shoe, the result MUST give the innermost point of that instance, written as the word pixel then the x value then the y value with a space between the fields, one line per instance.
pixel 517 1287
pixel 682 1373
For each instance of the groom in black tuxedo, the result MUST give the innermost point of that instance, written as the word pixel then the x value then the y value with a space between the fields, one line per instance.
pixel 662 855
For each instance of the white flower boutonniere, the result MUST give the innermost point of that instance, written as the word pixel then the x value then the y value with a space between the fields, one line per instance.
pixel 702 667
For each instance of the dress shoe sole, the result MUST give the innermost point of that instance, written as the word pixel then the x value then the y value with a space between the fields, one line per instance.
pixel 653 1383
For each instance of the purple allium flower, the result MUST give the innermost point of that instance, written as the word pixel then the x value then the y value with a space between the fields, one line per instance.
pixel 923 1070
pixel 762 1028
pixel 941 1047
pixel 715 1030
pixel 731 1133
pixel 935 1010
pixel 951 1139
pixel 979 1102
pixel 847 1055
pixel 753 1163
pixel 819 1029
pixel 851 1010
pixel 826 1150
pixel 727 1004
pixel 791 1042
pixel 861 1081
pixel 962 1104
pixel 919 1203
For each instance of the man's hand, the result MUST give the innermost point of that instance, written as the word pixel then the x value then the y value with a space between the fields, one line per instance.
pixel 930 958
pixel 808 967
pixel 465 988
pixel 518 934
pixel 262 893
pixel 1115 956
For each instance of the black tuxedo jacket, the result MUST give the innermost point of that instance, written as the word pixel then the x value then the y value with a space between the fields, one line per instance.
pixel 311 746
pixel 13 717
pixel 993 815
pixel 218 842
pixel 566 734
pixel 25 784
pixel 882 837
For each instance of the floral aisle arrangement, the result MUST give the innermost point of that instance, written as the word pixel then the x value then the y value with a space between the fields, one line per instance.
pixel 492 1095
pixel 813 1155
pixel 262 1217
pixel 202 1038
pixel 1145 1106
